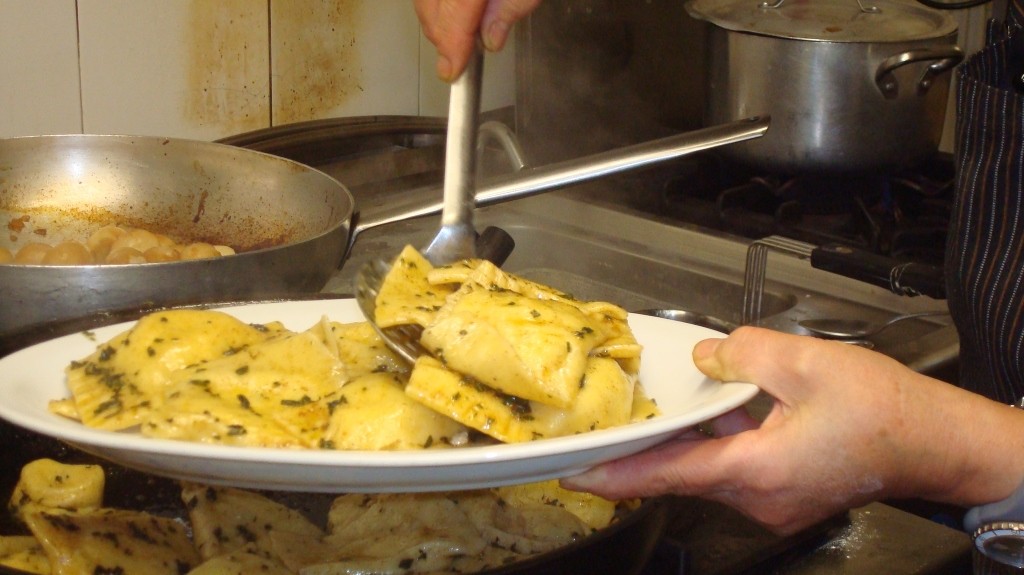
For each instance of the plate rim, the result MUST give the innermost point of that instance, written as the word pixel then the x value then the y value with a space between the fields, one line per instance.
pixel 93 440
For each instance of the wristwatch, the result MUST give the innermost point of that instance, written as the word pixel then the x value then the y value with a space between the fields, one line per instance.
pixel 998 529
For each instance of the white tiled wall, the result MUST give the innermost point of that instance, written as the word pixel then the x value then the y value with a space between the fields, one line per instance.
pixel 211 68
pixel 179 68
pixel 39 92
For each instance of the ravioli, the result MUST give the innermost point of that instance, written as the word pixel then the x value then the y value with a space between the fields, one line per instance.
pixel 48 484
pixel 361 349
pixel 605 399
pixel 115 388
pixel 459 532
pixel 592 510
pixel 515 359
pixel 508 357
pixel 240 563
pixel 529 348
pixel 227 520
pixel 274 394
pixel 373 412
pixel 230 531
pixel 113 541
pixel 406 297
pixel 24 553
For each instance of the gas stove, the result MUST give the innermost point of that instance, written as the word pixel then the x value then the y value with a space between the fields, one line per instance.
pixel 862 226
pixel 903 215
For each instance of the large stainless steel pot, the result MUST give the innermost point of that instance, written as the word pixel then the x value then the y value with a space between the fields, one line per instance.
pixel 851 86
pixel 292 224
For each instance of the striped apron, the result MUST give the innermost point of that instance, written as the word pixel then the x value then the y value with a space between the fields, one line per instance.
pixel 985 247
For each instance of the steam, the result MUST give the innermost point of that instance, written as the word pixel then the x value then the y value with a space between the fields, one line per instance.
pixel 599 75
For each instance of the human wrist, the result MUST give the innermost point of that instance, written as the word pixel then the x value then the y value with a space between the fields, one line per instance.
pixel 997 528
pixel 1008 509
pixel 957 446
pixel 982 436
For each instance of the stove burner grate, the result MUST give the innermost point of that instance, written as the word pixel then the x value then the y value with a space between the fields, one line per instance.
pixel 904 216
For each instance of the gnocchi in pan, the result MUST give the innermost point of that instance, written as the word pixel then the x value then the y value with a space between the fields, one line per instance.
pixel 112 245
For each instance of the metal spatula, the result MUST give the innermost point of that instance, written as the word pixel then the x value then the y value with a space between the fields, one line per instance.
pixel 457 238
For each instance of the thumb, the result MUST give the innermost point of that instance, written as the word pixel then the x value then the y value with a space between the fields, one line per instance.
pixel 705 357
pixel 453 27
pixel 760 356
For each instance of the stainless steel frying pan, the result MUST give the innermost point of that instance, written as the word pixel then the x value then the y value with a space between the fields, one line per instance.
pixel 292 221
pixel 291 224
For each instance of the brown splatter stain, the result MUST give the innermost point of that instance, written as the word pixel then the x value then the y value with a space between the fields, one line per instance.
pixel 315 62
pixel 201 208
pixel 229 64
pixel 18 224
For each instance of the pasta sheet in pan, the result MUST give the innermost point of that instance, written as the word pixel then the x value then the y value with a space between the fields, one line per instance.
pixel 224 530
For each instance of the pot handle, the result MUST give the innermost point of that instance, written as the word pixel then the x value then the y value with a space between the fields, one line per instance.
pixel 946 58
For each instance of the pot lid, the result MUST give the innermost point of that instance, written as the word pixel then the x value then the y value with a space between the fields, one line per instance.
pixel 827 20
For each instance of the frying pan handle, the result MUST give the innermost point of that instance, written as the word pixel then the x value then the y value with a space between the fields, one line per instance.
pixel 534 180
pixel 901 278
pixel 945 58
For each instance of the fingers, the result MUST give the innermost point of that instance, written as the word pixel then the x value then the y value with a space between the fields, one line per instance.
pixel 733 422
pixel 767 488
pixel 499 18
pixel 677 466
pixel 787 366
pixel 453 26
pixel 740 356
pixel 683 467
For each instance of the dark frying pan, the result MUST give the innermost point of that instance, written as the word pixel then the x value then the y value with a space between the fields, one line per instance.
pixel 292 225
pixel 622 548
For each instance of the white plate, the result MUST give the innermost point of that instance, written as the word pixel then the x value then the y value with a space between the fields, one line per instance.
pixel 30 378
